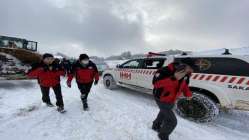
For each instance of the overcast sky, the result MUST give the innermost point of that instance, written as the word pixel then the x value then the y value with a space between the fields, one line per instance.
pixel 107 27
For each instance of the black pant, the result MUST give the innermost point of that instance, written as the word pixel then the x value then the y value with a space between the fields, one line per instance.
pixel 57 92
pixel 165 118
pixel 85 90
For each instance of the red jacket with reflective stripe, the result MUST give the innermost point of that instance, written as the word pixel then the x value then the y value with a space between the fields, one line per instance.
pixel 46 78
pixel 172 89
pixel 85 74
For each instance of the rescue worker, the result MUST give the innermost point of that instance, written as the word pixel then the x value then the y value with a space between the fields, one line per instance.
pixel 66 65
pixel 48 75
pixel 169 83
pixel 85 73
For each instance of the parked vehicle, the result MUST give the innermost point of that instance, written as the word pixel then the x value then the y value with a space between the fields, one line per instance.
pixel 16 56
pixel 221 82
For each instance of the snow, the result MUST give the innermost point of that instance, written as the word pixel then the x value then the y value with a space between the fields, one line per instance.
pixel 120 114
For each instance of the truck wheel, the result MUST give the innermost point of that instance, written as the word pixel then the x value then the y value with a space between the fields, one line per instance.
pixel 109 82
pixel 199 109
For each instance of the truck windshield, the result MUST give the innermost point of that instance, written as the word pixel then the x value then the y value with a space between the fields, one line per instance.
pixel 12 42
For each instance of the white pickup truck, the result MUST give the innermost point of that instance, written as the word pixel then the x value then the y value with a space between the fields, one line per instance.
pixel 222 81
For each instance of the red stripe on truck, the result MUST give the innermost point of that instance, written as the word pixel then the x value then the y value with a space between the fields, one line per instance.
pixel 202 76
pixel 223 79
pixel 196 75
pixel 144 72
pixel 219 78
pixel 216 78
pixel 209 77
pixel 232 79
pixel 241 80
pixel 150 72
pixel 147 72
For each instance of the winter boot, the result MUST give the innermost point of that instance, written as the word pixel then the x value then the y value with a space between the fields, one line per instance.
pixel 84 102
pixel 60 109
pixel 49 104
pixel 163 136
pixel 85 105
pixel 156 127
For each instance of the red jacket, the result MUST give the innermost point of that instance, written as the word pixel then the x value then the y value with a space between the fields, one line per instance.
pixel 85 74
pixel 46 78
pixel 172 89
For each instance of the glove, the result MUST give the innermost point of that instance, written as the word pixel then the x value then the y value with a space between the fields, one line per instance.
pixel 96 82
pixel 69 84
pixel 157 93
pixel 32 67
pixel 189 98
pixel 35 66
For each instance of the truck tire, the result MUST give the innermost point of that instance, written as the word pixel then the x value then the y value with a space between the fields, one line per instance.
pixel 109 82
pixel 200 109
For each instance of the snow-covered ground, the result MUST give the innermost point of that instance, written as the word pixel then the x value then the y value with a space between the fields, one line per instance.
pixel 114 115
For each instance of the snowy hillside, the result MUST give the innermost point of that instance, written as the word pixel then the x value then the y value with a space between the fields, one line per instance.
pixel 234 51
pixel 114 115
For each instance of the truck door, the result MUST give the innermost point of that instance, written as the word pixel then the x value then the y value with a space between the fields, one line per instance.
pixel 228 74
pixel 150 66
pixel 128 71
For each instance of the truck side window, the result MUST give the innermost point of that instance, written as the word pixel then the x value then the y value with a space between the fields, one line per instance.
pixel 153 63
pixel 132 64
pixel 228 66
pixel 223 66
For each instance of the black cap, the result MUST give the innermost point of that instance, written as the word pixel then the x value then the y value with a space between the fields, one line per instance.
pixel 47 55
pixel 83 56
pixel 190 62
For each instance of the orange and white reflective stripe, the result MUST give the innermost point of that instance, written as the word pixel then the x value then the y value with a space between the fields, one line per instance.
pixel 138 71
pixel 223 79
pixel 241 80
pixel 220 78
pixel 209 77
pixel 196 76
pixel 216 78
pixel 232 79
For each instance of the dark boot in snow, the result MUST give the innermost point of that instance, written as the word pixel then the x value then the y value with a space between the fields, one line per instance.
pixel 163 136
pixel 85 106
pixel 156 127
pixel 61 109
pixel 49 104
pixel 84 102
